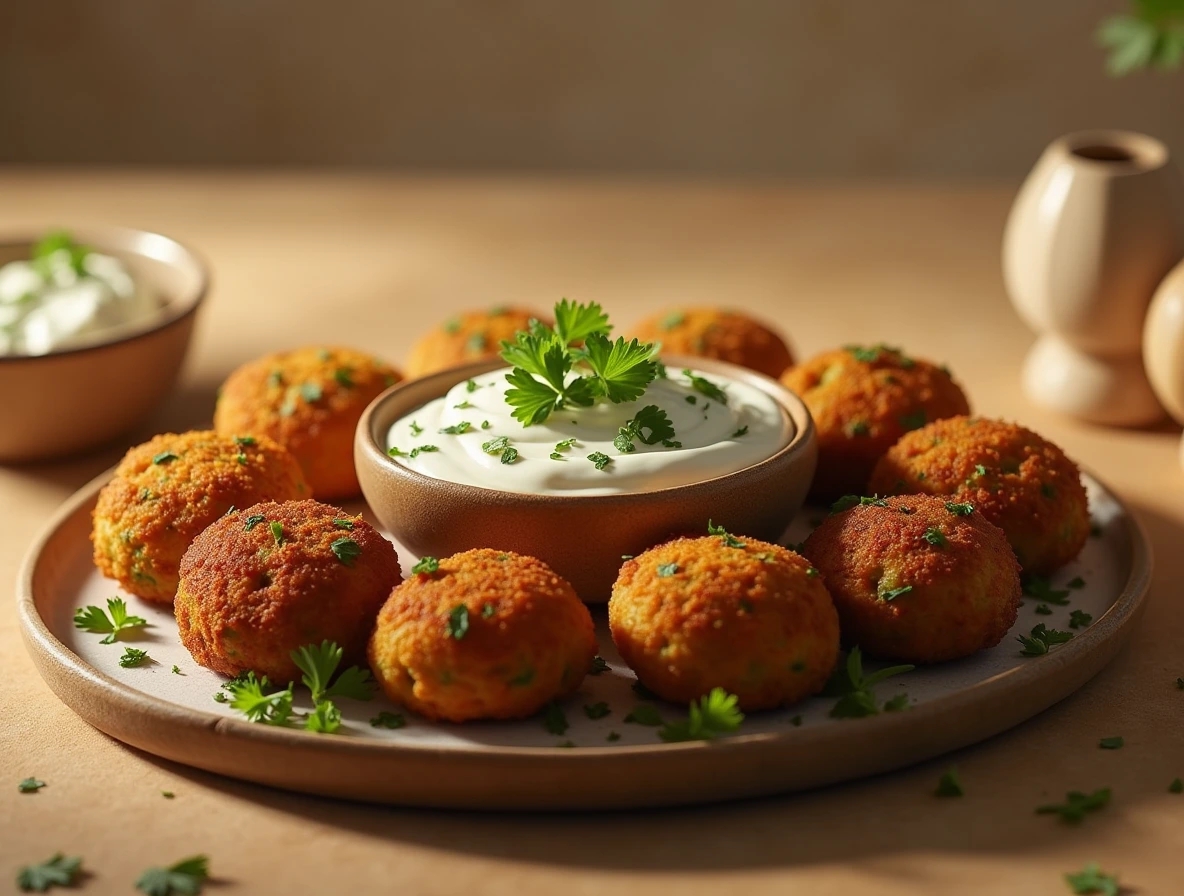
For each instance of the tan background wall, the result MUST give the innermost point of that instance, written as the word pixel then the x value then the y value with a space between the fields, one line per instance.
pixel 796 87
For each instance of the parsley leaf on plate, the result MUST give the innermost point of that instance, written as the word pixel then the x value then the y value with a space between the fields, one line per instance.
pixel 133 657
pixel 1041 589
pixel 30 785
pixel 554 718
pixel 855 689
pixel 596 710
pixel 93 619
pixel 1042 640
pixel 644 714
pixel 254 698
pixel 185 878
pixel 599 666
pixel 714 714
pixel 386 719
pixel 57 871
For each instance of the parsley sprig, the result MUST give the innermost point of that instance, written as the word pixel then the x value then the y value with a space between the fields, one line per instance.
pixel 1092 879
pixel 57 871
pixel 543 360
pixel 184 878
pixel 93 619
pixel 854 689
pixel 1077 804
pixel 709 716
pixel 1041 640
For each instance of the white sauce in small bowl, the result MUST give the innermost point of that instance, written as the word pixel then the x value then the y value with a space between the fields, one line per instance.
pixel 716 439
pixel 50 305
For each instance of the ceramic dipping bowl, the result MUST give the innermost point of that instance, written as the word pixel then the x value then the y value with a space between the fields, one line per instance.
pixel 582 537
pixel 74 399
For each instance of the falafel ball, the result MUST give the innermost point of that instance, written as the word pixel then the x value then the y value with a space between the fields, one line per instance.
pixel 309 400
pixel 483 634
pixel 720 334
pixel 863 400
pixel 167 490
pixel 917 578
pixel 467 337
pixel 262 582
pixel 1017 480
pixel 751 617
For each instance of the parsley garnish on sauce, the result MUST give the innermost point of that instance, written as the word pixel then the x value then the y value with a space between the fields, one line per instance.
pixel 650 425
pixel 457 428
pixel 706 387
pixel 600 459
pixel 712 715
pixel 185 878
pixel 93 619
pixel 542 359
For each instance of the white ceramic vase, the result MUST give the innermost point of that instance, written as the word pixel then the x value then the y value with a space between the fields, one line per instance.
pixel 1093 231
pixel 1163 345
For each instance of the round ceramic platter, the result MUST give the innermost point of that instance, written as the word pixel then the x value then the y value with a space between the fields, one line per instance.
pixel 602 763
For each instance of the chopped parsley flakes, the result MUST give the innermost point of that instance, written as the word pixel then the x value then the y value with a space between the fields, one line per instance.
pixel 458 621
pixel 1041 640
pixel 706 387
pixel 665 570
pixel 650 425
pixel 346 550
pixel 426 565
pixel 600 459
pixel 133 657
pixel 1077 804
pixel 165 457
pixel 948 784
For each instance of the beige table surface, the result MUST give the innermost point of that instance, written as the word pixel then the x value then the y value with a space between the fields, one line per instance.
pixel 373 260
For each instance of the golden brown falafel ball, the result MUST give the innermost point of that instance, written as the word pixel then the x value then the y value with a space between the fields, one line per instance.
pixel 715 333
pixel 863 400
pixel 309 400
pixel 916 578
pixel 267 580
pixel 485 635
pixel 751 617
pixel 467 337
pixel 1020 482
pixel 164 492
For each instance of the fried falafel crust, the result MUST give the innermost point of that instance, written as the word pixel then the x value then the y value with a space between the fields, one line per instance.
pixel 717 333
pixel 863 401
pixel 694 614
pixel 1017 480
pixel 467 337
pixel 309 400
pixel 166 491
pixel 249 597
pixel 527 639
pixel 915 581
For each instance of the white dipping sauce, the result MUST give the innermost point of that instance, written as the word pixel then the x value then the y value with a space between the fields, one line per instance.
pixel 48 306
pixel 709 433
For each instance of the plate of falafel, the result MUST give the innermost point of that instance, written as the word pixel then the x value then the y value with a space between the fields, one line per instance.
pixel 224 598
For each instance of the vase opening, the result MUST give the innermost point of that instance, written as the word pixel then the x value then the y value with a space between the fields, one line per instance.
pixel 1104 153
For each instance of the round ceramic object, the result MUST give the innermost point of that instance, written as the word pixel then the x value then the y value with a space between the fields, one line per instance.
pixel 1093 230
pixel 523 765
pixel 581 537
pixel 1163 343
pixel 71 400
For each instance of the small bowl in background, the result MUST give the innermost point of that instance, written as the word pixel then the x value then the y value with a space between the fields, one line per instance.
pixel 582 537
pixel 69 401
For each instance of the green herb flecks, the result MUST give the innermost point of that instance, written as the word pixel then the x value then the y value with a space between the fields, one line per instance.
pixel 725 537
pixel 133 657
pixel 185 878
pixel 253 520
pixel 277 532
pixel 650 425
pixel 948 784
pixel 57 871
pixel 386 719
pixel 554 719
pixel 30 785
pixel 1092 879
pixel 426 565
pixel 346 550
pixel 165 457
pixel 1111 743
pixel 600 459
pixel 705 387
pixel 1077 805
pixel 458 622
pixel 457 429
pixel 1079 619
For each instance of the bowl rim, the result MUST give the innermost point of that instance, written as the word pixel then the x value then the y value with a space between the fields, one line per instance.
pixel 369 441
pixel 120 240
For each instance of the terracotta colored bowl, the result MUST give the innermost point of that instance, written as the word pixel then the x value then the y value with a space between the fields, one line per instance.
pixel 68 401
pixel 582 537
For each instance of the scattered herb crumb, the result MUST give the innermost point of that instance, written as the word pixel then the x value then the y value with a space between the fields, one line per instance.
pixel 1111 743
pixel 458 621
pixel 57 871
pixel 554 719
pixel 387 719
pixel 1092 879
pixel 1077 804
pixel 596 710
pixel 426 565
pixel 185 878
pixel 132 657
pixel 949 784
pixel 30 785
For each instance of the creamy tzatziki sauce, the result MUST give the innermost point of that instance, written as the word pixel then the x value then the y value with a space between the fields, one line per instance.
pixel 67 298
pixel 712 438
